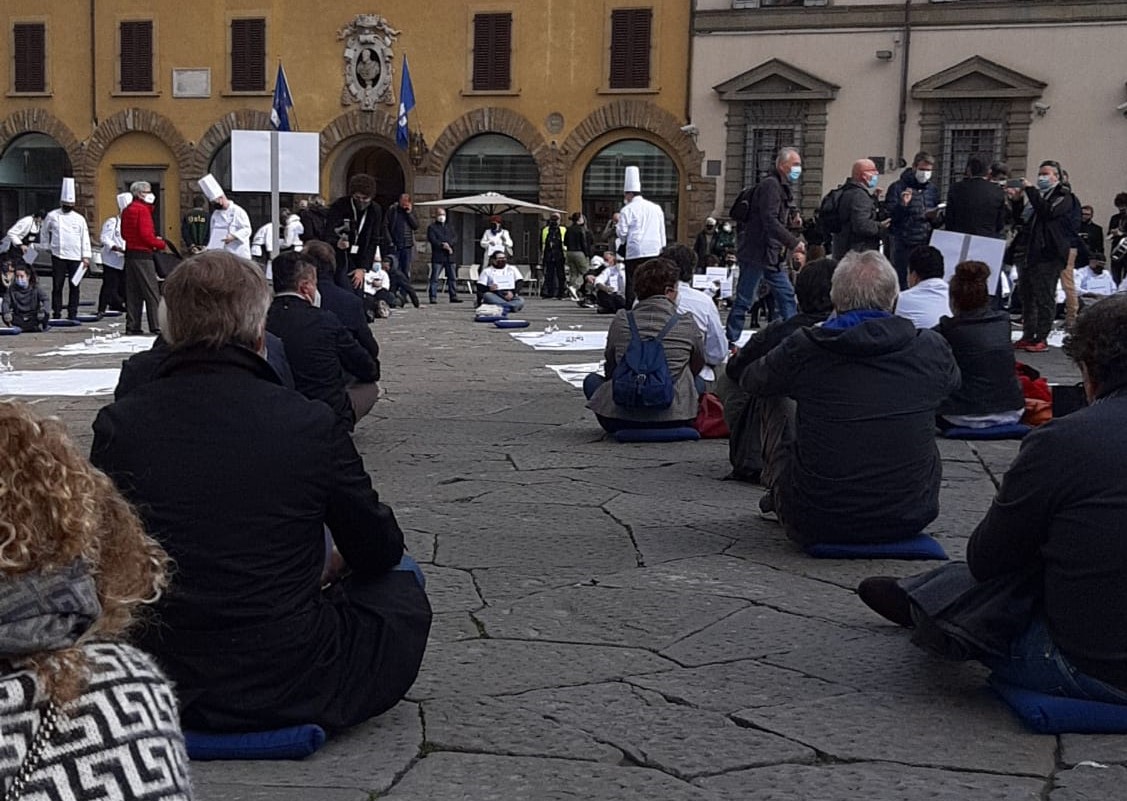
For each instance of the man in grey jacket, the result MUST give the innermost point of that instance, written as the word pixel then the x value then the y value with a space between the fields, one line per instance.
pixel 857 210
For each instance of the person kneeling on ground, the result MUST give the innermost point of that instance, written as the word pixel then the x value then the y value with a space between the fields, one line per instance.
pixel 1039 598
pixel 25 302
pixel 500 283
pixel 989 393
pixel 76 567
pixel 239 478
pixel 655 283
pixel 926 299
pixel 742 411
pixel 608 285
pixel 863 466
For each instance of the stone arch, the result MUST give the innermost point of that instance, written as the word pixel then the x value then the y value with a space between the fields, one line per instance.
pixel 244 119
pixel 639 115
pixel 136 120
pixel 350 133
pixel 37 120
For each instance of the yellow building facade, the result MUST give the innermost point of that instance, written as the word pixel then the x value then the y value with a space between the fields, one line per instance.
pixel 547 100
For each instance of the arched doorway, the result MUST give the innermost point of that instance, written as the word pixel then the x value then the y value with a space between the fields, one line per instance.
pixel 494 163
pixel 381 164
pixel 31 173
pixel 256 204
pixel 602 182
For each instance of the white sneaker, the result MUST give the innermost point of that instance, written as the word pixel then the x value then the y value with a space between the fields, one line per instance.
pixel 574 295
pixel 382 309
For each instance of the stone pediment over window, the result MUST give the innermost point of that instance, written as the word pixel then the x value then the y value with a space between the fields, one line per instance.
pixel 776 80
pixel 977 78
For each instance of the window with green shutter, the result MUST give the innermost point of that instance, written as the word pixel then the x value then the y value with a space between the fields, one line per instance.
pixel 136 56
pixel 492 52
pixel 248 55
pixel 630 30
pixel 29 57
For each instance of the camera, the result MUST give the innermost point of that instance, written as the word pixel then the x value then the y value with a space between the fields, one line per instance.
pixel 1014 183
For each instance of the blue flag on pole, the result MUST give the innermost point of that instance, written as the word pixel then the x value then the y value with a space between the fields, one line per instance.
pixel 279 111
pixel 406 103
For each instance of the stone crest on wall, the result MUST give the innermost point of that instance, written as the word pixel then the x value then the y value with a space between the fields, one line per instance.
pixel 367 61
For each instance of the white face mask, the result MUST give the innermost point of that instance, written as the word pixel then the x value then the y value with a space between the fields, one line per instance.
pixel 442 218
pixel 149 198
pixel 923 176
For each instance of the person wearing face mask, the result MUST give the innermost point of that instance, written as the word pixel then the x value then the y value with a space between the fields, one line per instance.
pixel 702 245
pixel 910 205
pixel 725 240
pixel 230 226
pixel 442 240
pixel 356 226
pixel 112 293
pixel 1117 234
pixel 141 285
pixel 553 258
pixel 857 210
pixel 495 240
pixel 25 302
pixel 579 243
pixel 66 235
pixel 1091 235
pixel 328 363
pixel 1049 250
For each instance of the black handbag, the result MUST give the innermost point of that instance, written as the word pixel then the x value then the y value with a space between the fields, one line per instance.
pixel 166 260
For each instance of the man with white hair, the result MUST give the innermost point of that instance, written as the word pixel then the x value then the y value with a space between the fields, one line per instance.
pixel 141 284
pixel 857 460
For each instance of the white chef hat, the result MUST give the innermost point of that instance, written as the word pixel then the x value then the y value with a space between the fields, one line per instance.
pixel 710 221
pixel 211 188
pixel 67 195
pixel 123 200
pixel 597 261
pixel 633 182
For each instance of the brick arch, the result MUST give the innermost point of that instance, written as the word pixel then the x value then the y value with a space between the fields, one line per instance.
pixel 245 119
pixel 37 120
pixel 358 123
pixel 136 120
pixel 639 115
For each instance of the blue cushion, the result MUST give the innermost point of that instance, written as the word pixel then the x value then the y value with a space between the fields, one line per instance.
pixel 10 330
pixel 922 546
pixel 87 318
pixel 656 434
pixel 488 318
pixel 1053 714
pixel 1006 431
pixel 63 323
pixel 296 742
pixel 511 324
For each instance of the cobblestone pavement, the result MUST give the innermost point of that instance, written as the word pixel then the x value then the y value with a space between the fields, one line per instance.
pixel 614 622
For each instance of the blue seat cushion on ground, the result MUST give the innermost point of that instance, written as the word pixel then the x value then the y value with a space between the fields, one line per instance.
pixel 1054 714
pixel 656 434
pixel 10 330
pixel 1006 431
pixel 922 546
pixel 511 323
pixel 295 742
pixel 488 318
pixel 87 318
pixel 63 323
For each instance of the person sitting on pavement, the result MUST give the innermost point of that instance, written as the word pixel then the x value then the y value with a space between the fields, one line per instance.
pixel 238 478
pixel 742 411
pixel 25 304
pixel 702 308
pixel 500 284
pixel 609 285
pixel 656 284
pixel 1094 282
pixel 378 299
pixel 81 707
pixel 1038 599
pixel 348 308
pixel 399 285
pixel 863 465
pixel 989 393
pixel 328 363
pixel 927 297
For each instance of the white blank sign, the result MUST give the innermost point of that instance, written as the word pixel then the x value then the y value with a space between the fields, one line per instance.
pixel 299 162
pixel 963 247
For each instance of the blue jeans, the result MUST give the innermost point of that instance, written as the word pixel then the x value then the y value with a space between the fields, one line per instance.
pixel 1036 663
pixel 513 305
pixel 436 269
pixel 403 261
pixel 746 291
pixel 407 564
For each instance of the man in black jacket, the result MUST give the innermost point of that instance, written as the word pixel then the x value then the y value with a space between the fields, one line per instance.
pixel 238 477
pixel 357 226
pixel 442 241
pixel 348 308
pixel 328 363
pixel 857 209
pixel 976 205
pixel 863 466
pixel 401 227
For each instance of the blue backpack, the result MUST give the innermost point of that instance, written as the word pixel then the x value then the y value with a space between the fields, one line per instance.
pixel 642 380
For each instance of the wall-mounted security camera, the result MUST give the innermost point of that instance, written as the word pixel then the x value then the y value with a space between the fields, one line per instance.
pixel 690 129
pixel 1122 109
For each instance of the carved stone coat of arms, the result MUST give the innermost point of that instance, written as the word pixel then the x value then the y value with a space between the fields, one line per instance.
pixel 367 61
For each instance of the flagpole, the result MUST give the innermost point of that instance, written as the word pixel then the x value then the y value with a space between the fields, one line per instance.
pixel 275 194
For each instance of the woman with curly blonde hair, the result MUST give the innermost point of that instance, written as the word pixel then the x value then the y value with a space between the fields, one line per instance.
pixel 77 705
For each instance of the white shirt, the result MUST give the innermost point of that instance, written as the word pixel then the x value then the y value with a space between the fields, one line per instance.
pixel 375 280
pixel 66 235
pixel 925 303
pixel 705 315
pixel 1095 284
pixel 490 276
pixel 111 238
pixel 613 277
pixel 495 242
pixel 231 221
pixel 24 227
pixel 641 225
pixel 291 235
pixel 263 240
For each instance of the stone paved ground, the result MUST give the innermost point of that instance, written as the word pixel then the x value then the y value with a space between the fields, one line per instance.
pixel 614 622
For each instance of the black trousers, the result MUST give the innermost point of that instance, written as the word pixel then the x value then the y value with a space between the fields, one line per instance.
pixel 62 270
pixel 112 293
pixel 1038 297
pixel 555 284
pixel 630 266
pixel 609 302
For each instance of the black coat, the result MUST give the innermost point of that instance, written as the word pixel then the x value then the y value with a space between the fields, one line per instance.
pixel 976 206
pixel 761 214
pixel 860 229
pixel 984 352
pixel 365 238
pixel 321 352
pixel 349 309
pixel 236 477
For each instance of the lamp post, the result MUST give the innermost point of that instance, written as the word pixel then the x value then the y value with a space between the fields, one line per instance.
pixel 417 148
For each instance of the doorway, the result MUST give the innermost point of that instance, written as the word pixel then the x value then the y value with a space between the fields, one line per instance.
pixel 381 164
pixel 155 178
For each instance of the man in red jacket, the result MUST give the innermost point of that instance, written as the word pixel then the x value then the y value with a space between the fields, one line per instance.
pixel 141 285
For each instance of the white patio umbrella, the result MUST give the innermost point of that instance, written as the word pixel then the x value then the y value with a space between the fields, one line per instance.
pixel 490 203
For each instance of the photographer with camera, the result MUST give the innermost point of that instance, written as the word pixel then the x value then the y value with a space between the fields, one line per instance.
pixel 356 224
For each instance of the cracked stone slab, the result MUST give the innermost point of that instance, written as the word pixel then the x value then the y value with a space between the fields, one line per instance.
pixel 502 667
pixel 640 511
pixel 505 727
pixel 1107 749
pixel 1089 783
pixel 976 733
pixel 208 791
pixel 502 585
pixel 869 781
pixel 452 627
pixel 451 590
pixel 752 633
pixel 532 459
pixel 603 615
pixel 676 739
pixel 672 481
pixel 659 545
pixel 345 761
pixel 569 493
pixel 457 777
pixel 732 686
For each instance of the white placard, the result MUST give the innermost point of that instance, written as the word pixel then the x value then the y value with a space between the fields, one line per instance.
pixel 702 282
pixel 79 274
pixel 30 255
pixel 504 281
pixel 726 288
pixel 299 162
pixel 963 247
pixel 716 273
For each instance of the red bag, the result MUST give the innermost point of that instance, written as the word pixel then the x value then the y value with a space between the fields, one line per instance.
pixel 1032 384
pixel 710 417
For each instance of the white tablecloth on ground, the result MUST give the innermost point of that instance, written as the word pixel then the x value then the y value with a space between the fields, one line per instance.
pixel 563 340
pixel 71 383
pixel 131 344
pixel 575 373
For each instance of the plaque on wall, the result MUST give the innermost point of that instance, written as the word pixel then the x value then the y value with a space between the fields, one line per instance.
pixel 194 82
pixel 367 61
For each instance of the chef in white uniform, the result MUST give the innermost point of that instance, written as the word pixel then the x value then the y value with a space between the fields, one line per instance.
pixel 230 225
pixel 24 234
pixel 641 225
pixel 112 294
pixel 67 236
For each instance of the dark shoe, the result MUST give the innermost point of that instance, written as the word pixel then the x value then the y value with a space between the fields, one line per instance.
pixel 455 300
pixel 748 476
pixel 885 596
pixel 136 333
pixel 433 301
pixel 767 507
pixel 415 303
